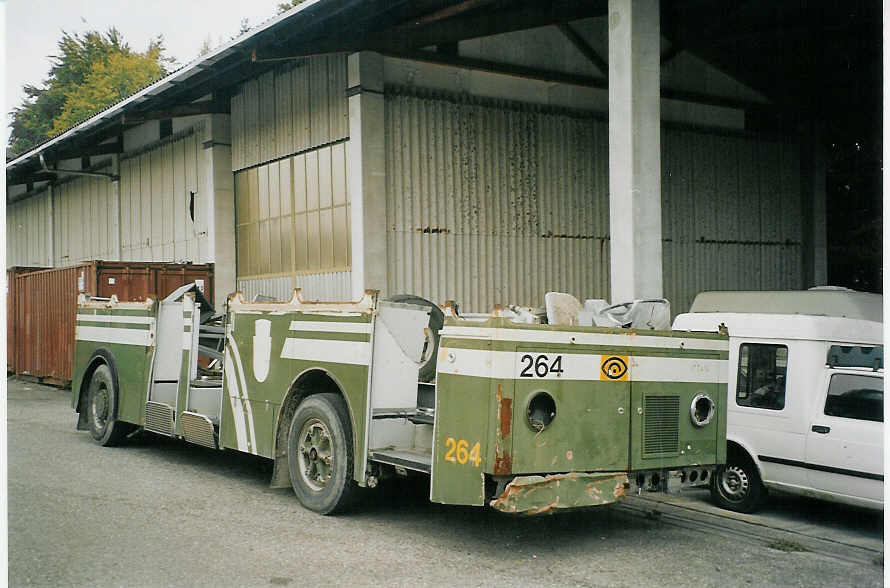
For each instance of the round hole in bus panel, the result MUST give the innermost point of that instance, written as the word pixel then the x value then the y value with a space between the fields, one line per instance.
pixel 541 411
pixel 702 410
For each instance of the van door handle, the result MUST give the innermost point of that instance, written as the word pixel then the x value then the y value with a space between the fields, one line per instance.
pixel 821 429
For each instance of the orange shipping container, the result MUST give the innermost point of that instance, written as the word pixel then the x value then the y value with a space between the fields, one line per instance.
pixel 11 273
pixel 45 306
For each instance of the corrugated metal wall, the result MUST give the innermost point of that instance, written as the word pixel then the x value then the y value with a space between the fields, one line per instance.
pixel 496 202
pixel 85 220
pixel 731 209
pixel 290 109
pixel 28 226
pixel 156 185
pixel 333 286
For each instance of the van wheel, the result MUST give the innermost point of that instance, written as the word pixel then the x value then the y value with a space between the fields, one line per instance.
pixel 319 454
pixel 736 486
pixel 102 408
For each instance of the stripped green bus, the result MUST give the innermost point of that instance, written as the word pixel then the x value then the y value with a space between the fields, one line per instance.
pixel 524 418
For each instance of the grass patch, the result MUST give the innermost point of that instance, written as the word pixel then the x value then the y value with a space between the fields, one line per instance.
pixel 786 546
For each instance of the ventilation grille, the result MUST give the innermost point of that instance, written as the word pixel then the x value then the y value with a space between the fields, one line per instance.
pixel 197 429
pixel 159 418
pixel 661 430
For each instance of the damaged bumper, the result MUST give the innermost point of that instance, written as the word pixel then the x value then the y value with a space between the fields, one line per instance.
pixel 549 494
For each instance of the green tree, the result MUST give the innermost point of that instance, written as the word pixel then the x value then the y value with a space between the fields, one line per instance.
pixel 285 6
pixel 91 71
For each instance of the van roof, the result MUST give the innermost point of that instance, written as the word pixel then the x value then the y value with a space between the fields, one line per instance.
pixel 823 301
pixel 760 325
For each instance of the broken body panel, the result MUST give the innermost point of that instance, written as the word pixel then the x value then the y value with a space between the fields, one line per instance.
pixel 527 418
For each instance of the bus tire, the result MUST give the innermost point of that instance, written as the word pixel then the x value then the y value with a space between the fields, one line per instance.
pixel 737 486
pixel 320 455
pixel 102 398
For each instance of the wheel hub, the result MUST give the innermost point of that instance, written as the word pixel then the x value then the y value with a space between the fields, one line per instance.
pixel 315 454
pixel 734 483
pixel 100 407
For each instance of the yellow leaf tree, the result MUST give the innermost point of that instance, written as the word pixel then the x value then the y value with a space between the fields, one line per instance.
pixel 108 82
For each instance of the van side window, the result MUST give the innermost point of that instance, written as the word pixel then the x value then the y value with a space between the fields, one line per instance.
pixel 855 397
pixel 761 377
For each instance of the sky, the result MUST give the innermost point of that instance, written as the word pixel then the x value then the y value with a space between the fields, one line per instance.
pixel 34 27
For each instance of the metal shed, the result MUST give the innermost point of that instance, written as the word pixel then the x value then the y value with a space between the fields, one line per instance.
pixel 463 150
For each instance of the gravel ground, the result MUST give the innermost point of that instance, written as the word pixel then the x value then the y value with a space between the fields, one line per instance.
pixel 155 512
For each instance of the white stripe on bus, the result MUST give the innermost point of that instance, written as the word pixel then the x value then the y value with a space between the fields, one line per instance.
pixel 330 327
pixel 508 365
pixel 235 402
pixel 112 335
pixel 351 352
pixel 249 416
pixel 579 338
pixel 116 318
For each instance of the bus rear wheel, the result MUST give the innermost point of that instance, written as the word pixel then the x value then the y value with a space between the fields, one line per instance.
pixel 320 454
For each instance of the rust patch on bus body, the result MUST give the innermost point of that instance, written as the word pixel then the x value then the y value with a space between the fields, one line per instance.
pixel 503 460
pixel 505 411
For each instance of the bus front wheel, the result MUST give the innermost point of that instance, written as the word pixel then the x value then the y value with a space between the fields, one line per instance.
pixel 102 399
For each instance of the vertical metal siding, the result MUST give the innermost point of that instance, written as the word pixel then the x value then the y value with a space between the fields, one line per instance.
pixel 731 214
pixel 334 286
pixel 28 224
pixel 288 110
pixel 83 229
pixel 493 202
pixel 156 188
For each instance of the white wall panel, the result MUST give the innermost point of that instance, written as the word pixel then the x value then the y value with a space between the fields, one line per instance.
pixel 28 226
pixel 290 109
pixel 156 188
pixel 335 286
pixel 84 220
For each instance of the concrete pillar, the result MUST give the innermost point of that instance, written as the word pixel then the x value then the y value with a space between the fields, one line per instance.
pixel 634 150
pixel 116 213
pixel 366 173
pixel 814 248
pixel 217 203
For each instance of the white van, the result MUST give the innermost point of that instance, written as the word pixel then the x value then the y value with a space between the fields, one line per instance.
pixel 805 407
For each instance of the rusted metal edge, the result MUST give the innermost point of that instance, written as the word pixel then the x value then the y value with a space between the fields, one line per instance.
pixel 534 495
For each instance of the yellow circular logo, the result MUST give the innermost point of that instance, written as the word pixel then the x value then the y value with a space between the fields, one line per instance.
pixel 614 367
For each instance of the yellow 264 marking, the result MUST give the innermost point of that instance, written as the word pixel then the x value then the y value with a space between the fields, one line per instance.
pixel 459 451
